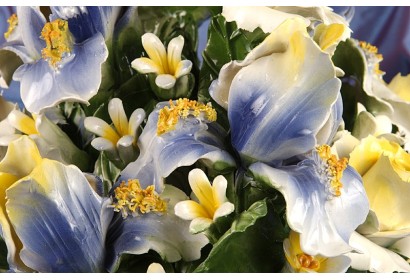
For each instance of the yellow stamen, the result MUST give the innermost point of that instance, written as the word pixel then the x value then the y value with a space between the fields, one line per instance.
pixel 58 41
pixel 307 261
pixel 169 116
pixel 131 199
pixel 372 51
pixel 335 168
pixel 13 22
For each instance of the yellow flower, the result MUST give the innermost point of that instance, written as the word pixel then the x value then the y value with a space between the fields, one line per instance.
pixel 299 261
pixel 211 201
pixel 167 64
pixel 385 169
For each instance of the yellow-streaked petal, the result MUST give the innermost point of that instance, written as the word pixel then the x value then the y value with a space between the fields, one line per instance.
pixel 330 35
pixel 203 191
pixel 101 128
pixel 388 194
pixel 156 51
pixel 21 158
pixel 189 210
pixel 118 116
pixel 13 243
pixel 175 47
pixel 219 186
pixel 22 122
pixel 183 68
pixel 137 117
pixel 146 65
pixel 401 86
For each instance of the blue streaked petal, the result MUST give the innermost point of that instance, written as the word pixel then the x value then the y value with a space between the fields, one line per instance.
pixel 325 224
pixel 166 234
pixel 60 220
pixel 85 22
pixel 276 107
pixel 161 155
pixel 77 80
pixel 31 22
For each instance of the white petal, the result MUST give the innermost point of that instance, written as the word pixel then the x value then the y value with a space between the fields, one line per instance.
pixel 223 210
pixel 165 81
pixel 184 67
pixel 101 128
pixel 118 116
pixel 219 186
pixel 102 144
pixel 137 117
pixel 374 258
pixel 174 53
pixel 155 268
pixel 145 65
pixel 402 246
pixel 22 122
pixel 155 50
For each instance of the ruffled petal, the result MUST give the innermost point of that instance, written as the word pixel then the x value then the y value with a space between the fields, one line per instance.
pixel 325 225
pixel 375 258
pixel 166 234
pixel 276 107
pixel 60 220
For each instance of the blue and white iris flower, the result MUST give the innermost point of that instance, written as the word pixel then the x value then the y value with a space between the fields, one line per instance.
pixel 62 59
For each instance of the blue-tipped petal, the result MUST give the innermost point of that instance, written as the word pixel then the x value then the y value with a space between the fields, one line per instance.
pixel 84 22
pixel 325 224
pixel 60 220
pixel 276 106
pixel 161 155
pixel 166 234
pixel 31 22
pixel 78 79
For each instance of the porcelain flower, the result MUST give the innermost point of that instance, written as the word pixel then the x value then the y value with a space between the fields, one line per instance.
pixel 299 261
pixel 60 63
pixel 211 202
pixel 52 142
pixel 325 200
pixel 120 141
pixel 276 109
pixel 166 65
pixel 5 128
pixel 176 135
pixel 384 167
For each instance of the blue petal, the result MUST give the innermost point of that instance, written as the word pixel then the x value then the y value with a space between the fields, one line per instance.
pixel 60 220
pixel 167 234
pixel 325 224
pixel 161 155
pixel 276 108
pixel 85 22
pixel 31 22
pixel 78 79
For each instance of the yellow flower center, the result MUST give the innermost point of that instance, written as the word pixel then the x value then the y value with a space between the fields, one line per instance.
pixel 169 116
pixel 372 55
pixel 308 262
pixel 58 41
pixel 333 169
pixel 12 21
pixel 131 199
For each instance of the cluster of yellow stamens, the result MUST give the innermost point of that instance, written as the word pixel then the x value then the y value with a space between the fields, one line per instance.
pixel 58 41
pixel 12 21
pixel 131 199
pixel 168 116
pixel 372 51
pixel 307 261
pixel 334 168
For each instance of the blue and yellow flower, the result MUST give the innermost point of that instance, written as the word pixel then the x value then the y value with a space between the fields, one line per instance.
pixel 325 200
pixel 61 63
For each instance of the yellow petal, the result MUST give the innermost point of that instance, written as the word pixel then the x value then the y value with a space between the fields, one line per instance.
pixel 22 122
pixel 401 86
pixel 189 210
pixel 156 51
pixel 101 128
pixel 145 65
pixel 329 35
pixel 118 116
pixel 174 53
pixel 203 191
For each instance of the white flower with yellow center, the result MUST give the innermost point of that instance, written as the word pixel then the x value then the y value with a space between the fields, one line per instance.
pixel 299 261
pixel 211 202
pixel 118 141
pixel 167 64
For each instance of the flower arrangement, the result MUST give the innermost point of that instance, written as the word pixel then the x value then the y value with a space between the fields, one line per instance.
pixel 282 151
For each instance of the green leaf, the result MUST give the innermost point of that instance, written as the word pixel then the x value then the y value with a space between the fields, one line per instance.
pixel 107 171
pixel 253 243
pixel 3 256
pixel 225 43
